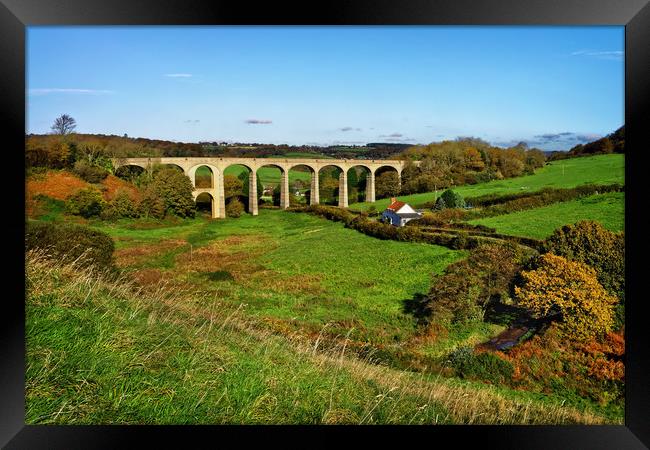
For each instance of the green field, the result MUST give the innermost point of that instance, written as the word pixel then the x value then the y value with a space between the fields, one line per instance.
pixel 297 269
pixel 602 169
pixel 257 320
pixel 608 209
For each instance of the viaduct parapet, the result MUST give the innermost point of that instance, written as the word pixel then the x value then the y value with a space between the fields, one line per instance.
pixel 219 165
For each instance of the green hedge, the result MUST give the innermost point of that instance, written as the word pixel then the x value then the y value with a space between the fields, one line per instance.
pixel 429 220
pixel 528 242
pixel 385 231
pixel 454 239
pixel 69 241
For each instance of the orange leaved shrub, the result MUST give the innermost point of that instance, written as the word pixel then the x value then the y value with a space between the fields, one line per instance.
pixel 570 288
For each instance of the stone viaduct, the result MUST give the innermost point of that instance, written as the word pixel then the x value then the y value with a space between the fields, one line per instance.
pixel 218 165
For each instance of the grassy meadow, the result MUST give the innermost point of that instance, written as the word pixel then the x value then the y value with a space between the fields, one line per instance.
pixel 599 169
pixel 608 209
pixel 293 270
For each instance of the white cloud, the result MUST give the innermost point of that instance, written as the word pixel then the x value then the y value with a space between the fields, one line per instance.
pixel 616 55
pixel 45 91
pixel 178 75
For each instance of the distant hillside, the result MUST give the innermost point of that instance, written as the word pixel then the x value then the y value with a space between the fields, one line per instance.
pixel 612 143
pixel 38 147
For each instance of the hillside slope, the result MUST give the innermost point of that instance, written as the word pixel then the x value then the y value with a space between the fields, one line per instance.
pixel 164 356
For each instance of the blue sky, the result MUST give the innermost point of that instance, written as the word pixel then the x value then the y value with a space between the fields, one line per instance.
pixel 549 86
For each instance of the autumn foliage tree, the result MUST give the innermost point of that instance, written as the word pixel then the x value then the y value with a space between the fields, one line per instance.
pixel 571 289
pixel 589 242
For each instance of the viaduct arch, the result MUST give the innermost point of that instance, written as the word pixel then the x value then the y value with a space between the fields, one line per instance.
pixel 190 165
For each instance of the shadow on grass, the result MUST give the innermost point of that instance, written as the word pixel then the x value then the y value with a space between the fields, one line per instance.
pixel 496 312
pixel 220 275
pixel 417 307
pixel 502 314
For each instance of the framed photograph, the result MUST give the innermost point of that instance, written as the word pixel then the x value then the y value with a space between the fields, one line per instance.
pixel 411 217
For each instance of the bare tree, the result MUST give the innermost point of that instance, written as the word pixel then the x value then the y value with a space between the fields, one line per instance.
pixel 64 125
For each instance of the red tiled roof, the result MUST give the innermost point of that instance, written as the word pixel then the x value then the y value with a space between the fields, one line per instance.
pixel 396 205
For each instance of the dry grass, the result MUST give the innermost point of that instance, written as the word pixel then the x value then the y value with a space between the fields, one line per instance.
pixel 55 184
pixel 137 254
pixel 466 405
pixel 114 184
pixel 235 255
pixel 148 277
pixel 469 404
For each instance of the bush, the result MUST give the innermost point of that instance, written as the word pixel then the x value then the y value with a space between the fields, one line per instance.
pixel 450 214
pixel 380 230
pixel 483 366
pixel 436 220
pixel 569 289
pixel 151 205
pixel 592 369
pixel 69 242
pixel 460 241
pixel 452 199
pixel 122 206
pixel 89 172
pixel 175 190
pixel 440 204
pixel 234 208
pixel 460 356
pixel 331 213
pixel 465 289
pixel 87 202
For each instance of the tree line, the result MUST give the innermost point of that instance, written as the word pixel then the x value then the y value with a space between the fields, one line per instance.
pixel 612 143
pixel 465 161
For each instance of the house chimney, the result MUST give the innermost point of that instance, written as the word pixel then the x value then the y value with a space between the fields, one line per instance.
pixel 393 200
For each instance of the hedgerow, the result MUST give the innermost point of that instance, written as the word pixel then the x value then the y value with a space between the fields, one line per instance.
pixel 450 238
pixel 434 220
pixel 379 230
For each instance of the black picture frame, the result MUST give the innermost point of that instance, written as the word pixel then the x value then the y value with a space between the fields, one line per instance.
pixel 15 15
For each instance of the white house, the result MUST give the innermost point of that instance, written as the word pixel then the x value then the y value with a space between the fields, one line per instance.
pixel 398 213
